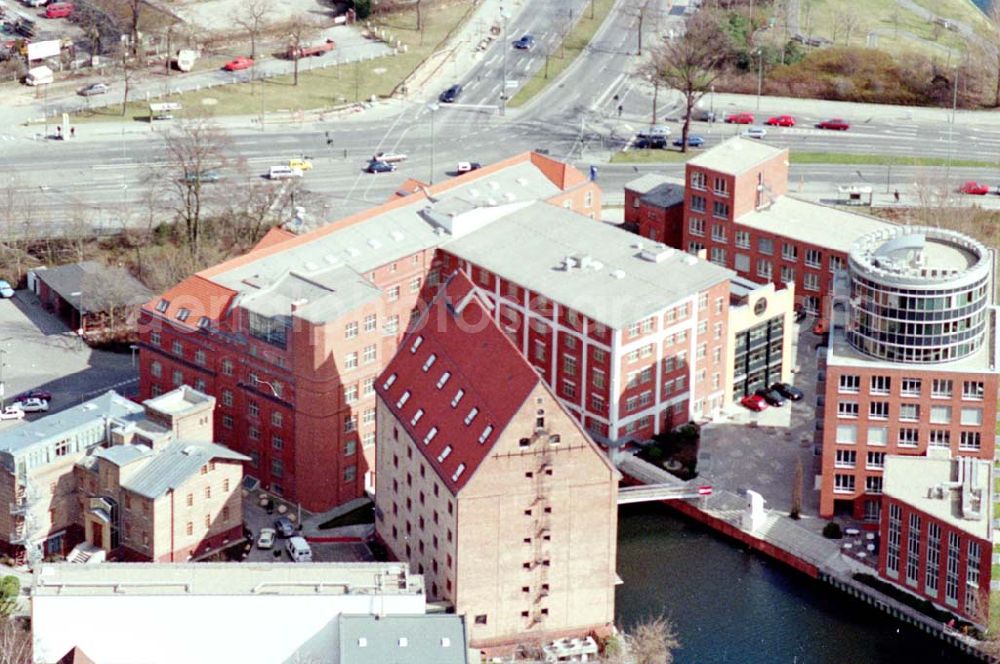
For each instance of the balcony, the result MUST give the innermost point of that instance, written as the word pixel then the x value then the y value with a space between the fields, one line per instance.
pixel 20 507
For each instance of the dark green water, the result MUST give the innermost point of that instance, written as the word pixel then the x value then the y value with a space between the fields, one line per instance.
pixel 982 4
pixel 733 606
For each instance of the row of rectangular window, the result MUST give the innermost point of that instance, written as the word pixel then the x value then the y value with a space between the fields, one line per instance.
pixel 847 434
pixel 941 388
pixel 909 412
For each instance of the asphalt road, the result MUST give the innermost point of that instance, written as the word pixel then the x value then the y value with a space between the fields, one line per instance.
pixel 109 174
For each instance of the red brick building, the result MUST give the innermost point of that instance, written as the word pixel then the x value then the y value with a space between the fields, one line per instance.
pixel 654 208
pixel 936 536
pixel 290 337
pixel 737 210
pixel 487 486
pixel 631 337
pixel 911 365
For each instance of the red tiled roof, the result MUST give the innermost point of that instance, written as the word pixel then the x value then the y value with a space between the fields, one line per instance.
pixel 273 236
pixel 458 332
pixel 198 295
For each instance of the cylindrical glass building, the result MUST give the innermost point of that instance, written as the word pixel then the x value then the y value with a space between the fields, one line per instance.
pixel 918 294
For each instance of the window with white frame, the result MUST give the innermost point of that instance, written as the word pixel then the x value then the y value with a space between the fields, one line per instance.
pixel 846 459
pixel 719 232
pixel 940 438
pixel 875 461
pixel 932 566
pixel 941 414
pixel 698 203
pixel 843 483
pixel 951 570
pixel 742 239
pixel 720 210
pixel 873 484
pixel 878 436
pixel 892 546
pixel 941 388
pixel 765 245
pixel 849 384
pixel 741 263
pixel 910 387
pixel 847 434
pixel 789 251
pixel 878 410
pixel 696 226
pixel 913 550
pixel 717 256
pixel 881 385
pixel 764 268
pixel 814 258
pixel 971 416
pixel 847 409
pixel 972 390
pixel 810 281
pixel 720 186
pixel 787 274
pixel 970 441
pixel 371 322
pixel 698 180
pixel 908 437
pixel 836 263
pixel 909 412
pixel 351 330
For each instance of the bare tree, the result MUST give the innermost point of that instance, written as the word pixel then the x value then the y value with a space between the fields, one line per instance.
pixel 651 642
pixel 299 32
pixel 797 491
pixel 194 150
pixel 126 79
pixel 992 49
pixel 845 23
pixel 15 642
pixel 690 64
pixel 253 15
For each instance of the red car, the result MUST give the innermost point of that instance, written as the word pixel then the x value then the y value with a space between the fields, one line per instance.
pixel 974 188
pixel 754 402
pixel 781 121
pixel 740 118
pixel 837 124
pixel 239 63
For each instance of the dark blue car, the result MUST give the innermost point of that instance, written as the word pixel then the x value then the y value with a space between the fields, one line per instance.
pixel 451 94
pixel 694 141
pixel 376 166
pixel 525 43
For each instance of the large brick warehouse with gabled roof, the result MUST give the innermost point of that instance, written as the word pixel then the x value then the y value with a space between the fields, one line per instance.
pixel 487 485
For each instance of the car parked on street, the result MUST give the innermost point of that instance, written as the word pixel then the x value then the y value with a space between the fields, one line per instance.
pixel 525 43
pixel 771 397
pixel 236 64
pixel 781 121
pixel 974 188
pixel 299 550
pixel 450 95
pixel 94 89
pixel 694 141
pixel 836 124
pixel 376 166
pixel 11 413
pixel 790 392
pixel 284 526
pixel 468 166
pixel 754 131
pixel 651 143
pixel 739 118
pixel 302 164
pixel 266 538
pixel 389 157
pixel 210 175
pixel 754 403
pixel 5 289
pixel 283 173
pixel 32 405
pixel 44 395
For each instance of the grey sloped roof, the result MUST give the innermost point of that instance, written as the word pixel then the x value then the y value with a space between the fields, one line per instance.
pixel 122 455
pixel 429 639
pixel 93 286
pixel 173 465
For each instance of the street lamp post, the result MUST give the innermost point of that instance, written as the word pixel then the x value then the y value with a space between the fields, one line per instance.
pixel 3 363
pixel 433 109
pixel 133 348
pixel 503 83
pixel 760 75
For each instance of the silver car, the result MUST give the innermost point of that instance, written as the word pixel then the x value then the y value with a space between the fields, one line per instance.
pixel 95 89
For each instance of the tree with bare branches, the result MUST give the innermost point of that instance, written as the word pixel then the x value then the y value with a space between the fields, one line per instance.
pixel 15 642
pixel 252 18
pixel 652 641
pixel 690 64
pixel 194 149
pixel 299 31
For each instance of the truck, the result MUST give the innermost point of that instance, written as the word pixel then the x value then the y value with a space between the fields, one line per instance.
pixel 185 58
pixel 307 51
pixel 39 76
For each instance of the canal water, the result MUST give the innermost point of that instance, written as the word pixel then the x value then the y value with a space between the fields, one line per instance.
pixel 731 605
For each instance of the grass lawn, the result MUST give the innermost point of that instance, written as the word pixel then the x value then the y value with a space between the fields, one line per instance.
pixel 320 88
pixel 826 18
pixel 676 157
pixel 561 57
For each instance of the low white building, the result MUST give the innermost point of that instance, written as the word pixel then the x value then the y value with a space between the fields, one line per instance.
pixel 263 613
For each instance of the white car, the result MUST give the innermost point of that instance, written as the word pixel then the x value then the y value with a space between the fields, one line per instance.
pixel 266 538
pixel 284 172
pixel 756 131
pixel 389 157
pixel 11 413
pixel 31 405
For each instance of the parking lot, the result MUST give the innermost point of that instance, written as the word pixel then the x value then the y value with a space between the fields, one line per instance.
pixel 763 455
pixel 38 351
pixel 256 517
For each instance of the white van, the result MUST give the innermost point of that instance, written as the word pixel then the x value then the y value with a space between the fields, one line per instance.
pixel 39 76
pixel 284 173
pixel 298 550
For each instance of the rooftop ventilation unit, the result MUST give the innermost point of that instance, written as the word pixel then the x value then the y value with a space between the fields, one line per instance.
pixel 331 259
pixel 494 185
pixel 657 253
pixel 522 181
pixel 311 267
pixel 691 260
pixel 396 235
pixel 352 252
pixel 618 274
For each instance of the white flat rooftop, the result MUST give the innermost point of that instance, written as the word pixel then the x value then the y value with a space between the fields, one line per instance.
pixel 912 479
pixel 612 282
pixel 813 223
pixel 227 579
pixel 736 155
